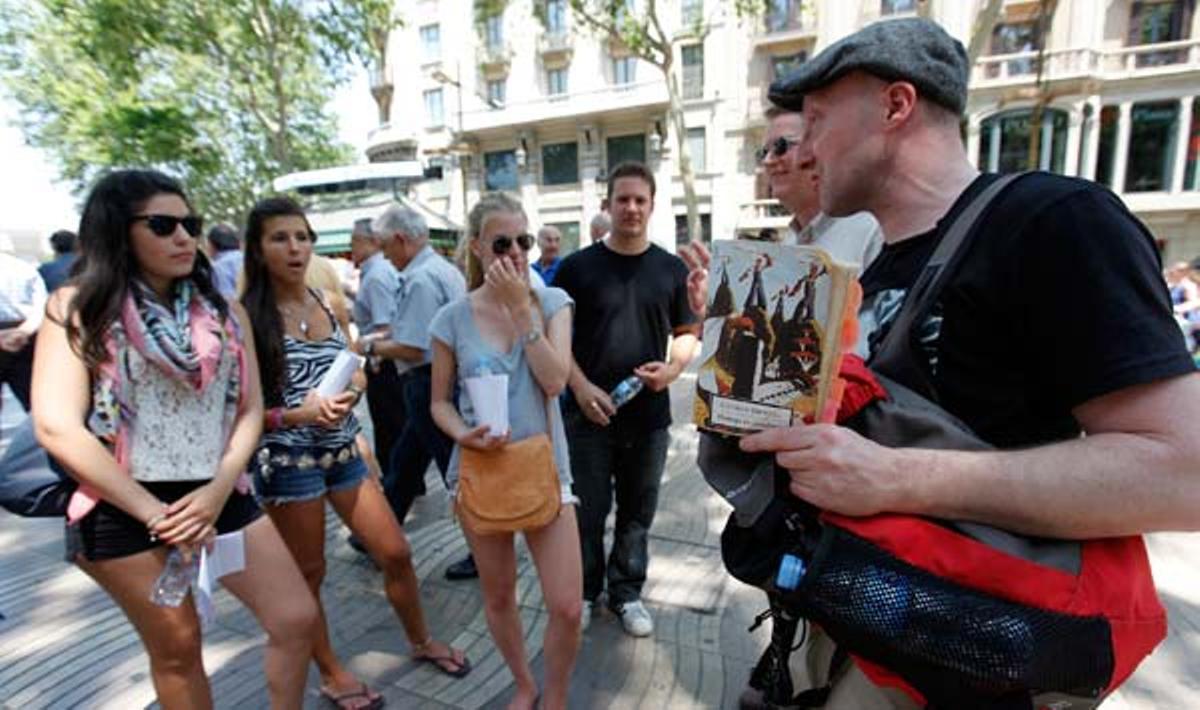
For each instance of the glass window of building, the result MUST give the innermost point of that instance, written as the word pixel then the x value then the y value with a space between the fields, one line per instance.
pixel 783 14
pixel 692 12
pixel 697 148
pixel 556 16
pixel 622 148
pixel 500 170
pixel 1193 150
pixel 556 81
pixel 1004 142
pixel 560 163
pixel 494 31
pixel 570 236
pixel 896 7
pixel 431 42
pixel 1157 21
pixel 1153 132
pixel 681 230
pixel 434 115
pixel 496 90
pixel 624 70
pixel 784 64
pixel 1110 117
pixel 1015 38
pixel 693 71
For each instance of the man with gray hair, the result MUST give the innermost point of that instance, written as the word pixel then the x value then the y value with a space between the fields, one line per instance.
pixel 600 227
pixel 549 239
pixel 426 282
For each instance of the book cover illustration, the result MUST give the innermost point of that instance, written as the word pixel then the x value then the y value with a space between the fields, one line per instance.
pixel 770 337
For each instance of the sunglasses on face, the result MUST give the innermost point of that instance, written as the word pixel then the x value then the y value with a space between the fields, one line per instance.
pixel 502 243
pixel 164 225
pixel 776 148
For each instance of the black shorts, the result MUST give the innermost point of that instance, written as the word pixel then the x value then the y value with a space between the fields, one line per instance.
pixel 109 532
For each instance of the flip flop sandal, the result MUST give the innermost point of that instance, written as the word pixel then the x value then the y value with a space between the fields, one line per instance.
pixel 340 700
pixel 438 662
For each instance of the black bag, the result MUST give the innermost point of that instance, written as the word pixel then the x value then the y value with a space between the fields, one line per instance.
pixel 32 484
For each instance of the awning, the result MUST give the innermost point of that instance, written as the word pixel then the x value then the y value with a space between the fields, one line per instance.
pixel 333 225
pixel 348 178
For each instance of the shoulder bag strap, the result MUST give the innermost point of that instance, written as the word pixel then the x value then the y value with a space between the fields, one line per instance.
pixel 895 356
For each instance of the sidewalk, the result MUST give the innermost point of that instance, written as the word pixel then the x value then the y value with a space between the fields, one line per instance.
pixel 63 644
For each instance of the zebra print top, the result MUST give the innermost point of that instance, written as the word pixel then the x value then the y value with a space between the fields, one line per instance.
pixel 307 363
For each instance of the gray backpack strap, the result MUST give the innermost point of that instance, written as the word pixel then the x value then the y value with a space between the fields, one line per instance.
pixel 895 356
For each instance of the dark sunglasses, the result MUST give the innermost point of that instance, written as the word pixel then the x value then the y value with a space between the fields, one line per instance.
pixel 502 243
pixel 776 148
pixel 164 225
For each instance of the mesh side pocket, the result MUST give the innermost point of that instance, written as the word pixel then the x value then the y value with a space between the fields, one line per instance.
pixel 933 631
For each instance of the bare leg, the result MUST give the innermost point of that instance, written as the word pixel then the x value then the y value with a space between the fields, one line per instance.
pixel 302 527
pixel 366 512
pixel 171 635
pixel 497 562
pixel 555 550
pixel 272 587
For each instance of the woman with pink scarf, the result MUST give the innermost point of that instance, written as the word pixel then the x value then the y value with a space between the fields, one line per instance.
pixel 145 389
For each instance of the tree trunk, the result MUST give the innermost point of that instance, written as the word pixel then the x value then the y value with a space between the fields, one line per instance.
pixel 675 119
pixel 981 33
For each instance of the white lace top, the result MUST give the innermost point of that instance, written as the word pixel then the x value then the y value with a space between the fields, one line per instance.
pixel 178 434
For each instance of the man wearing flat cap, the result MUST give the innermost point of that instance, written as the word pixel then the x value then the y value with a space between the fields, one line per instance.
pixel 1052 337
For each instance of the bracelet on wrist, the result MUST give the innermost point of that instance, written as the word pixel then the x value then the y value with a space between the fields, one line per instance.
pixel 274 418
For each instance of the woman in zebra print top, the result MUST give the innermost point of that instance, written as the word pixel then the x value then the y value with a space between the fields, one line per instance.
pixel 309 453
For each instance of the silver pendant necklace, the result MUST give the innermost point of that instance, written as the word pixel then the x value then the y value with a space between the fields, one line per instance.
pixel 302 320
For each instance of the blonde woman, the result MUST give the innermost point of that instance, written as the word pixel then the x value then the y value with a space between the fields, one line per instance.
pixel 502 326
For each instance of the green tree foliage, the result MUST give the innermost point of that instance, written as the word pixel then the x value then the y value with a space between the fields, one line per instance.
pixel 224 94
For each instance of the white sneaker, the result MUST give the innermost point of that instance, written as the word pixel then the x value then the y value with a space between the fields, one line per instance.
pixel 585 617
pixel 635 619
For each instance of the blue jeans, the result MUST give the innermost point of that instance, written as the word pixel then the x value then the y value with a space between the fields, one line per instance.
pixel 630 465
pixel 420 442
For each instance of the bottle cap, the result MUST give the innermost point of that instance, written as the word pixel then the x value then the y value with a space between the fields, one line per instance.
pixel 791 569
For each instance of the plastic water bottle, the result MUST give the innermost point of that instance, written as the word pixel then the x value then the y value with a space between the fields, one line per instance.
pixel 171 587
pixel 791 571
pixel 626 390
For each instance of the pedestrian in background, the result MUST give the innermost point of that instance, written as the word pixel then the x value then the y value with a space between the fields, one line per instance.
pixel 22 305
pixel 56 271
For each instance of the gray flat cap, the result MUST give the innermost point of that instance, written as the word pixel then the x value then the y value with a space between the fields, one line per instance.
pixel 909 49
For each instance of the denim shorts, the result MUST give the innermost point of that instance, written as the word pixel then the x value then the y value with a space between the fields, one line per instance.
pixel 284 474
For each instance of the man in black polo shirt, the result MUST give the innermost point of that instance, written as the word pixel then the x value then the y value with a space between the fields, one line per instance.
pixel 630 297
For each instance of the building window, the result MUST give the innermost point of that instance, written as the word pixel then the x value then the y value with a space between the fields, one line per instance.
pixel 681 231
pixel 696 147
pixel 693 71
pixel 1153 134
pixel 1110 117
pixel 783 15
pixel 494 31
pixel 570 236
pixel 896 7
pixel 624 70
pixel 496 89
pixel 1157 21
pixel 560 164
pixel 500 170
pixel 782 65
pixel 692 12
pixel 556 81
pixel 434 115
pixel 1015 38
pixel 431 42
pixel 625 148
pixel 1004 142
pixel 1193 149
pixel 556 16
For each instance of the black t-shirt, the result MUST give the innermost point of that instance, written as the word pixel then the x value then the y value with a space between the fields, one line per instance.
pixel 625 308
pixel 1059 300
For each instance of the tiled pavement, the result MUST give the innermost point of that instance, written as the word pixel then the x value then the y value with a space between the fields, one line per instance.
pixel 63 644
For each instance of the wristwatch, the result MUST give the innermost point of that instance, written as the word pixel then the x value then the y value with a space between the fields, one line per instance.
pixel 531 337
pixel 369 348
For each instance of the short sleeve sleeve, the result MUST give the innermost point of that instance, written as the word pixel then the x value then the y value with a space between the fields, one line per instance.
pixel 553 300
pixel 442 327
pixel 410 324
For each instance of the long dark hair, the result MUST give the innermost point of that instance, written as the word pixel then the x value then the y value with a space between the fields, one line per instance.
pixel 106 263
pixel 259 296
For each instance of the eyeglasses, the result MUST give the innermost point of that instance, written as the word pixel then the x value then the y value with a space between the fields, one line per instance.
pixel 164 225
pixel 776 148
pixel 502 243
